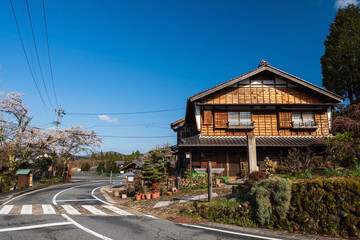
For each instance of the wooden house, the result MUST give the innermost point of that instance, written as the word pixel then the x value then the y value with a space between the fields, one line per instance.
pixel 259 114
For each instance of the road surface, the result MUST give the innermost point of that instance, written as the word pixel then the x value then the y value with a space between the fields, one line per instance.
pixel 79 211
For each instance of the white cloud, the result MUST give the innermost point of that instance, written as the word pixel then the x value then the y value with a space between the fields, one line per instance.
pixel 344 3
pixel 108 119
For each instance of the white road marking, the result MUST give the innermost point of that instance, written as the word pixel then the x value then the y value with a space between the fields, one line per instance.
pixel 26 209
pixel 70 210
pixel 48 209
pixel 6 209
pixel 93 210
pixel 117 210
pixel 92 194
pixel 151 216
pixel 77 200
pixel 85 229
pixel 35 226
pixel 55 196
pixel 231 232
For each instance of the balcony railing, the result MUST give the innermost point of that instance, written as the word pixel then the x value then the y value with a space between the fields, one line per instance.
pixel 244 126
pixel 305 125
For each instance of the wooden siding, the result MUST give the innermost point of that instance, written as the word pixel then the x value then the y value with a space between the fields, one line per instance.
pixel 256 95
pixel 266 124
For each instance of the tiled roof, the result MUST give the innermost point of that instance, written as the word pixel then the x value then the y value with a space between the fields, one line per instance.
pixel 261 141
pixel 263 67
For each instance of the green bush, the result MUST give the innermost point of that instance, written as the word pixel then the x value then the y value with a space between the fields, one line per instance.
pixel 326 206
pixel 271 196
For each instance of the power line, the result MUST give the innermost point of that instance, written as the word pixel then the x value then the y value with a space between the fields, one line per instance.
pixel 113 136
pixel 128 113
pixel 26 56
pixel 48 50
pixel 128 125
pixel 297 32
pixel 37 53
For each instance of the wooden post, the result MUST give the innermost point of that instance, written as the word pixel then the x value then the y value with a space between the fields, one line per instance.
pixel 227 164
pixel 251 149
pixel 209 181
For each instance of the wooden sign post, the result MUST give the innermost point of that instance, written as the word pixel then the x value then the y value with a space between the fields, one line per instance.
pixel 210 171
pixel 209 181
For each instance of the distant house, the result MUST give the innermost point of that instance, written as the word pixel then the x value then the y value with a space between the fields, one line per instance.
pixel 134 166
pixel 120 163
pixel 262 113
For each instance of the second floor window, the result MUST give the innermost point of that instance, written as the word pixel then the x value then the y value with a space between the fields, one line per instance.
pixel 239 118
pixel 303 119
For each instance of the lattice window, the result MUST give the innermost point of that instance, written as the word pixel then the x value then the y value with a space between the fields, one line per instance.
pixel 285 120
pixel 221 120
pixel 207 117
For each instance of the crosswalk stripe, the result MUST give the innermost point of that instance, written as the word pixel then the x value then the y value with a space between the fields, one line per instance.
pixel 93 210
pixel 70 210
pixel 26 209
pixel 117 210
pixel 6 209
pixel 48 209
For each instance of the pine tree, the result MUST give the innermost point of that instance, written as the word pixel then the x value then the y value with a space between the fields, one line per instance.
pixel 341 61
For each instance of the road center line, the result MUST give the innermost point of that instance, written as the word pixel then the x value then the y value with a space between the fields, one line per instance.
pixel 231 232
pixel 85 229
pixel 35 226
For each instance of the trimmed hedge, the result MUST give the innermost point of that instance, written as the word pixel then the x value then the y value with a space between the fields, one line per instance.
pixel 326 206
pixel 322 206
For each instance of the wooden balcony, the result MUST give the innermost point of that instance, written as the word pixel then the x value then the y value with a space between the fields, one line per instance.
pixel 310 125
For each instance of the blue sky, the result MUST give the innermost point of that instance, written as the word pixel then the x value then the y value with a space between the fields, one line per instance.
pixel 126 56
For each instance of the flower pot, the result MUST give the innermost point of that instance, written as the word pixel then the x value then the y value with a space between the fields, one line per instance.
pixel 143 196
pixel 219 185
pixel 157 193
pixel 148 196
pixel 169 193
pixel 153 195
pixel 138 197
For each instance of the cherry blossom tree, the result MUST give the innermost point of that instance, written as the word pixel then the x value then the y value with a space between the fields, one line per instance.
pixel 73 141
pixel 14 127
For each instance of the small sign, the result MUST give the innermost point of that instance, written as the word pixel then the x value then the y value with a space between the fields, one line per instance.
pixel 204 170
pixel 130 179
pixel 30 180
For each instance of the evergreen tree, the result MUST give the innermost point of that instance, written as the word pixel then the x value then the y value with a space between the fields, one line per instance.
pixel 341 61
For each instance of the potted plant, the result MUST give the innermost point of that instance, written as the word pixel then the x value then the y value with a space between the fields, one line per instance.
pixel 143 196
pixel 153 195
pixel 138 197
pixel 148 196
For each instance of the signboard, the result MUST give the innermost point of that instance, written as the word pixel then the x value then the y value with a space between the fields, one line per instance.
pixel 130 179
pixel 204 170
pixel 30 180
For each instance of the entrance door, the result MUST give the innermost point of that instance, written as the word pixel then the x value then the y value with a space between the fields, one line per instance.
pixel 234 164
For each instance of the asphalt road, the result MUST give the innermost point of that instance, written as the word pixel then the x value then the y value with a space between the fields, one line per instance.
pixel 95 218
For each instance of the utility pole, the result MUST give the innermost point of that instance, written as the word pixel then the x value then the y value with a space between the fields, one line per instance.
pixel 60 112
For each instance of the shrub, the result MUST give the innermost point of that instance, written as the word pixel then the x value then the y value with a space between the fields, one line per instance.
pixel 308 174
pixel 271 196
pixel 257 175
